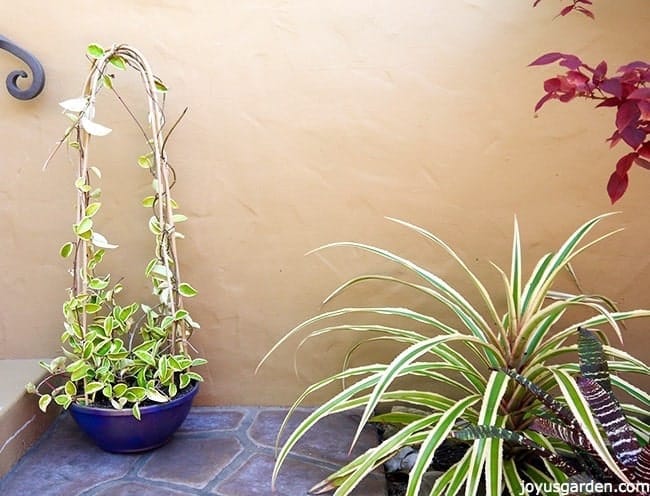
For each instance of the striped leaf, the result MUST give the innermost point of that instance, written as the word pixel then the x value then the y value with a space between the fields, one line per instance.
pixel 640 429
pixel 559 338
pixel 539 333
pixel 492 397
pixel 396 367
pixel 485 295
pixel 494 461
pixel 582 412
pixel 490 431
pixel 513 480
pixel 446 293
pixel 560 410
pixel 515 273
pixel 542 479
pixel 546 272
pixel 593 364
pixel 572 436
pixel 637 393
pixel 337 478
pixel 642 470
pixel 608 412
pixel 440 425
pixel 560 465
pixel 523 335
pixel 450 483
pixel 434 439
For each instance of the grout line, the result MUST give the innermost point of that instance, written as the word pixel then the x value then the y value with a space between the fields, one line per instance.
pixel 15 434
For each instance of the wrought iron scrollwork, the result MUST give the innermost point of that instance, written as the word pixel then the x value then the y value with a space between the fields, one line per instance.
pixel 38 74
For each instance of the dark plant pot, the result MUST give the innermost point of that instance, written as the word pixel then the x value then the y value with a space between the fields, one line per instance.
pixel 118 431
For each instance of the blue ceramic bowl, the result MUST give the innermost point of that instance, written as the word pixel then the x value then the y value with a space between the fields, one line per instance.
pixel 118 431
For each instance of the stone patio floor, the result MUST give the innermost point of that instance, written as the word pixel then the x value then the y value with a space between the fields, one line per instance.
pixel 225 451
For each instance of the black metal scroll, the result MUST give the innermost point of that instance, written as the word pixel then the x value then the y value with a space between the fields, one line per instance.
pixel 38 74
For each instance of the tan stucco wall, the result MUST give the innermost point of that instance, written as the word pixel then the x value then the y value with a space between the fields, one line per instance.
pixel 309 121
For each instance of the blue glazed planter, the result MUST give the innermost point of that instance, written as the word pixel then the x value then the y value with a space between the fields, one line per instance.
pixel 118 431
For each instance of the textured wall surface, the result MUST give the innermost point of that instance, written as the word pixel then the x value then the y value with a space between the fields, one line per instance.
pixel 309 121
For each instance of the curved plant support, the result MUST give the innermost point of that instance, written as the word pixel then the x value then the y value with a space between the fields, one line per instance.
pixel 138 352
pixel 163 269
pixel 38 74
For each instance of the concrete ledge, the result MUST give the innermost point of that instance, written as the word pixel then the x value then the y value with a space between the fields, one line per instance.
pixel 21 421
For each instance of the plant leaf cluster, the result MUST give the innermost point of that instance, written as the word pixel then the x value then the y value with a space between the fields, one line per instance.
pixel 599 443
pixel 466 355
pixel 121 354
pixel 626 90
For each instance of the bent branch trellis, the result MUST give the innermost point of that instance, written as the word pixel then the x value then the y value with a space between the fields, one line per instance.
pixel 125 354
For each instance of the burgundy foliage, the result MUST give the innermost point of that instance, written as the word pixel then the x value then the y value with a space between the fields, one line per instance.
pixel 626 90
pixel 575 5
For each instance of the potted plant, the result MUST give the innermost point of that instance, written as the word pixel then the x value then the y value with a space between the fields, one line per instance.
pixel 527 327
pixel 126 373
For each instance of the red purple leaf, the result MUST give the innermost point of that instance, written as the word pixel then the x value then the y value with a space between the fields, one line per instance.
pixel 614 139
pixel 641 162
pixel 637 64
pixel 552 84
pixel 566 10
pixel 628 113
pixel 616 186
pixel 576 78
pixel 612 86
pixel 633 136
pixel 547 58
pixel 543 100
pixel 568 96
pixel 599 72
pixel 586 12
pixel 644 107
pixel 571 62
pixel 609 102
pixel 644 151
pixel 640 94
pixel 625 163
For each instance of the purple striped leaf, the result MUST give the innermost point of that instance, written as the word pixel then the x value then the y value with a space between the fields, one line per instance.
pixel 490 431
pixel 593 364
pixel 561 411
pixel 571 436
pixel 608 412
pixel 642 470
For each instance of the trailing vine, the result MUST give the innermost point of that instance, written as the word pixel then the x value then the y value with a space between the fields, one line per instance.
pixel 121 354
